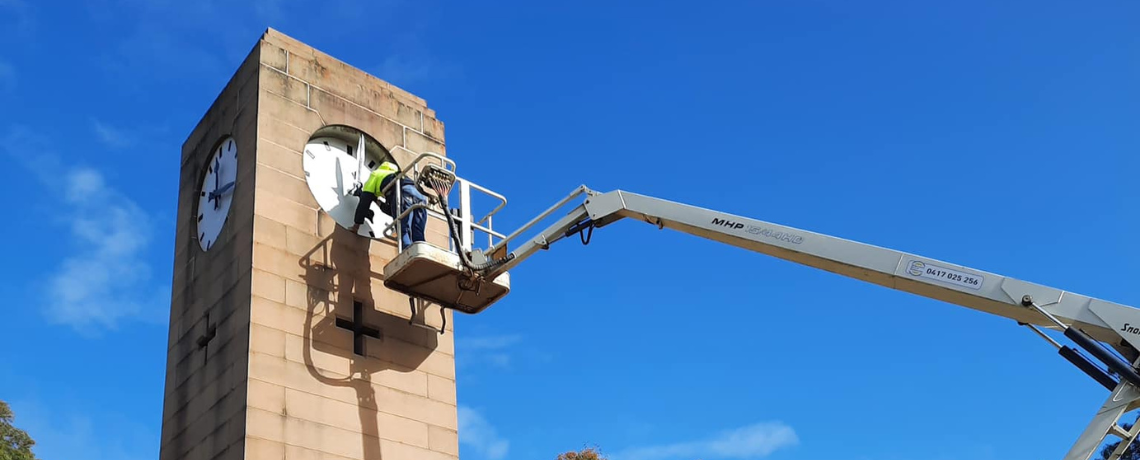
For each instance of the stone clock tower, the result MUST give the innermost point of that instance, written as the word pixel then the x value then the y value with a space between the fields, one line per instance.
pixel 284 343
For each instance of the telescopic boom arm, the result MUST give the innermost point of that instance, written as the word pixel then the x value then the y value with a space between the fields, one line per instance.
pixel 1082 319
pixel 956 284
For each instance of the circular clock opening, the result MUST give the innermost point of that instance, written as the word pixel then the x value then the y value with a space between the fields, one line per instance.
pixel 337 159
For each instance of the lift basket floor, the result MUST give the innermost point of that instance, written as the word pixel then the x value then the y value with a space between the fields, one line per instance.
pixel 428 272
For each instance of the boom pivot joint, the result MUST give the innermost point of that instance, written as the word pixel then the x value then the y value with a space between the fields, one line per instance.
pixel 1115 364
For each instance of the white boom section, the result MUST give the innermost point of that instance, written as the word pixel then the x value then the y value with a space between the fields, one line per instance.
pixel 1025 302
pixel 956 284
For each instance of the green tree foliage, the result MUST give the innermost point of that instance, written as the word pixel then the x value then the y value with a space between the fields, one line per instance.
pixel 589 453
pixel 15 444
pixel 1130 453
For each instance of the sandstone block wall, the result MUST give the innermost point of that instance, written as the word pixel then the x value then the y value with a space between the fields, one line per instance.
pixel 280 379
pixel 205 395
pixel 310 395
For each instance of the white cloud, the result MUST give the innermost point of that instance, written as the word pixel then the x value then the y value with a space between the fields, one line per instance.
pixel 489 349
pixel 487 343
pixel 477 432
pixel 111 136
pixel 749 442
pixel 107 278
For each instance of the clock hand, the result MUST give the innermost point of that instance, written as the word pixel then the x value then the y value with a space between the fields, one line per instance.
pixel 217 173
pixel 339 178
pixel 225 190
pixel 360 152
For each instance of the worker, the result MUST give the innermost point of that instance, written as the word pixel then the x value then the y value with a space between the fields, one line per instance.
pixel 412 225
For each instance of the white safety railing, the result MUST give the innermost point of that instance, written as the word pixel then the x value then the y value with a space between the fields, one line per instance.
pixel 484 223
pixel 469 227
pixel 580 190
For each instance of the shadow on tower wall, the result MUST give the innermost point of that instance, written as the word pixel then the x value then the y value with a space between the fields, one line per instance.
pixel 338 273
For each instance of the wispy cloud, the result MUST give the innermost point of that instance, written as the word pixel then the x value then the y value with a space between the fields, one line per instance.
pixel 408 59
pixel 111 136
pixel 493 342
pixel 65 434
pixel 107 278
pixel 477 432
pixel 178 50
pixel 272 11
pixel 403 70
pixel 7 76
pixel 749 442
pixel 494 350
pixel 167 53
pixel 17 17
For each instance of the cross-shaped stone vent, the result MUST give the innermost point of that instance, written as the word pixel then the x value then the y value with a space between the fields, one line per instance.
pixel 358 328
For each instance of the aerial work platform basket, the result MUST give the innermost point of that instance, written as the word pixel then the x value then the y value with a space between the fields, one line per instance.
pixel 450 276
pixel 432 273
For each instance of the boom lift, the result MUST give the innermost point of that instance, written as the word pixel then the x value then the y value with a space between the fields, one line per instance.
pixel 469 279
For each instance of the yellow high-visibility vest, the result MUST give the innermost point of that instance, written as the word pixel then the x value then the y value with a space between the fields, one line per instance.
pixel 372 185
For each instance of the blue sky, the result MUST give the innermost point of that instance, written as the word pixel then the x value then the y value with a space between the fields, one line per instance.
pixel 998 135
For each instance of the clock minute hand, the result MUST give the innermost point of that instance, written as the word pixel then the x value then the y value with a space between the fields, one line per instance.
pixel 224 190
pixel 217 173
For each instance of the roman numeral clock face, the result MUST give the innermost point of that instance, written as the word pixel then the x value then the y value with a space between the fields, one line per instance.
pixel 217 192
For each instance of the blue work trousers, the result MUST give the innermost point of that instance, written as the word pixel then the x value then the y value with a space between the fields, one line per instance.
pixel 412 226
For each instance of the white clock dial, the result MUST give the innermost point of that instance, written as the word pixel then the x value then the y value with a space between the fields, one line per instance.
pixel 332 168
pixel 217 193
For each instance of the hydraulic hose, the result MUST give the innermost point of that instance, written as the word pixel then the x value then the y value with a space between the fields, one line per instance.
pixel 463 254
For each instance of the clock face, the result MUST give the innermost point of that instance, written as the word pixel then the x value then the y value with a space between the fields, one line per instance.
pixel 332 168
pixel 217 192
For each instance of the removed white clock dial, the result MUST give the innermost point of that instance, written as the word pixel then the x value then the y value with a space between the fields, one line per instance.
pixel 333 168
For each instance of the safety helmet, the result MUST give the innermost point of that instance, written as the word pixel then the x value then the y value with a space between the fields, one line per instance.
pixel 388 167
